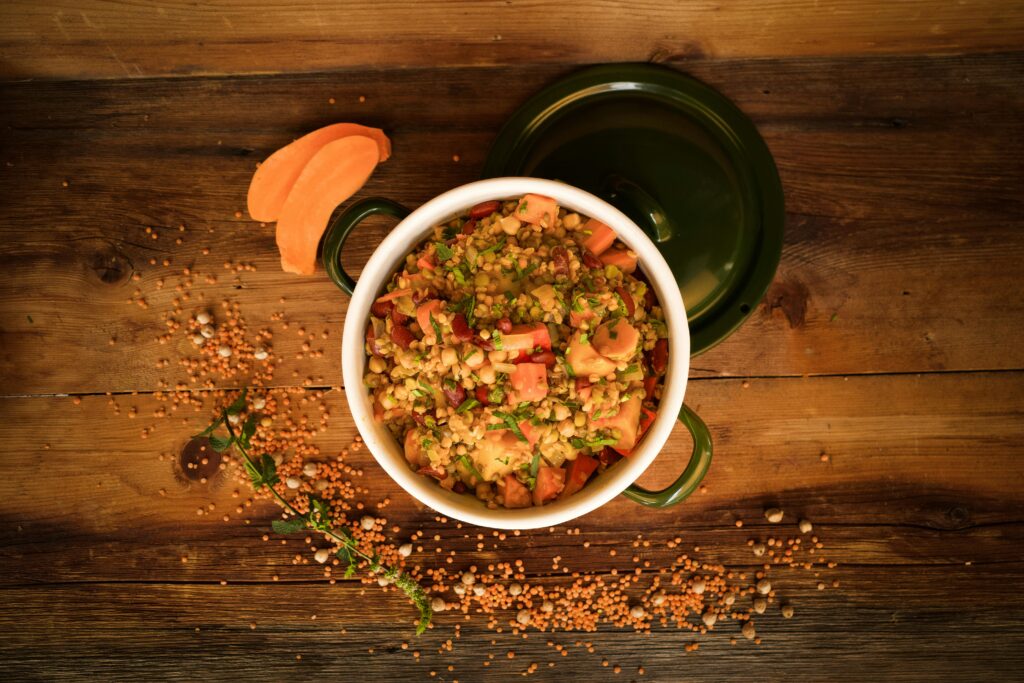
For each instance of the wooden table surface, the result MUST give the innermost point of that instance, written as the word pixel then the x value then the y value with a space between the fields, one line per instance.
pixel 878 390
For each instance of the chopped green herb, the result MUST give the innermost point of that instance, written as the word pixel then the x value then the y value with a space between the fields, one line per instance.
pixel 593 444
pixel 583 338
pixel 449 232
pixel 494 247
pixel 496 339
pixel 522 207
pixel 444 252
pixel 464 459
pixel 437 328
pixel 510 296
pixel 467 405
pixel 535 465
pixel 511 423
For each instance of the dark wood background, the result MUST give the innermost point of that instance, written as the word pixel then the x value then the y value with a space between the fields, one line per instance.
pixel 890 341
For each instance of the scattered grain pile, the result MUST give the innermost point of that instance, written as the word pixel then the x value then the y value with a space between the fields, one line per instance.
pixel 688 592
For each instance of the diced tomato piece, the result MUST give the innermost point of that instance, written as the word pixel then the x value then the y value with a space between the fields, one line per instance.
pixel 526 337
pixel 529 432
pixel 461 329
pixel 623 259
pixel 600 238
pixel 536 208
pixel 577 472
pixel 550 482
pixel 516 494
pixel 646 420
pixel 469 227
pixel 424 312
pixel 659 356
pixel 394 294
pixel 529 382
pixel 401 335
pixel 484 209
pixel 627 300
pixel 481 395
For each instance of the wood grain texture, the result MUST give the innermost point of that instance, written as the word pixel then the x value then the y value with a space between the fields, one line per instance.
pixel 99 39
pixel 922 469
pixel 903 239
pixel 919 504
pixel 186 632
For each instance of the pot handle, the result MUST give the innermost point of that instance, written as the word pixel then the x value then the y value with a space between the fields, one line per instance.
pixel 334 240
pixel 687 482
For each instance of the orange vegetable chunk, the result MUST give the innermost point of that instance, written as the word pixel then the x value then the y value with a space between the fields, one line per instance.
pixel 550 481
pixel 529 382
pixel 622 258
pixel 616 339
pixel 627 421
pixel 424 311
pixel 526 336
pixel 600 238
pixel 333 175
pixel 576 474
pixel 535 208
pixel 516 494
pixel 274 179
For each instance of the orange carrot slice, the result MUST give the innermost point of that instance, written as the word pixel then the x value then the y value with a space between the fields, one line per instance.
pixel 334 174
pixel 276 176
pixel 600 237
pixel 623 259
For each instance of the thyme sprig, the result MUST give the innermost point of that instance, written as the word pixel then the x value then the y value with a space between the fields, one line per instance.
pixel 263 474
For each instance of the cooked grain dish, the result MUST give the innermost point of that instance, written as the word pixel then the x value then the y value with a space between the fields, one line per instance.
pixel 517 353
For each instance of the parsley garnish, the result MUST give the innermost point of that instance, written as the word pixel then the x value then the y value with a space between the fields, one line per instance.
pixel 524 272
pixel 522 207
pixel 437 328
pixel 464 459
pixel 494 247
pixel 466 405
pixel 594 444
pixel 444 252
pixel 511 423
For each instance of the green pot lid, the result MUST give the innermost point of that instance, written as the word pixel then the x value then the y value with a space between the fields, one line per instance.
pixel 679 159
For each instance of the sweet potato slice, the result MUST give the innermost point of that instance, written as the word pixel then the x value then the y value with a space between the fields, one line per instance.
pixel 334 174
pixel 276 176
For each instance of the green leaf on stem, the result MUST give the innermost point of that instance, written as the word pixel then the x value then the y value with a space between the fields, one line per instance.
pixel 288 526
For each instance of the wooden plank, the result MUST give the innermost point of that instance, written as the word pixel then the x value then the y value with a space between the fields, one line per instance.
pixel 903 235
pixel 898 624
pixel 98 39
pixel 921 470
